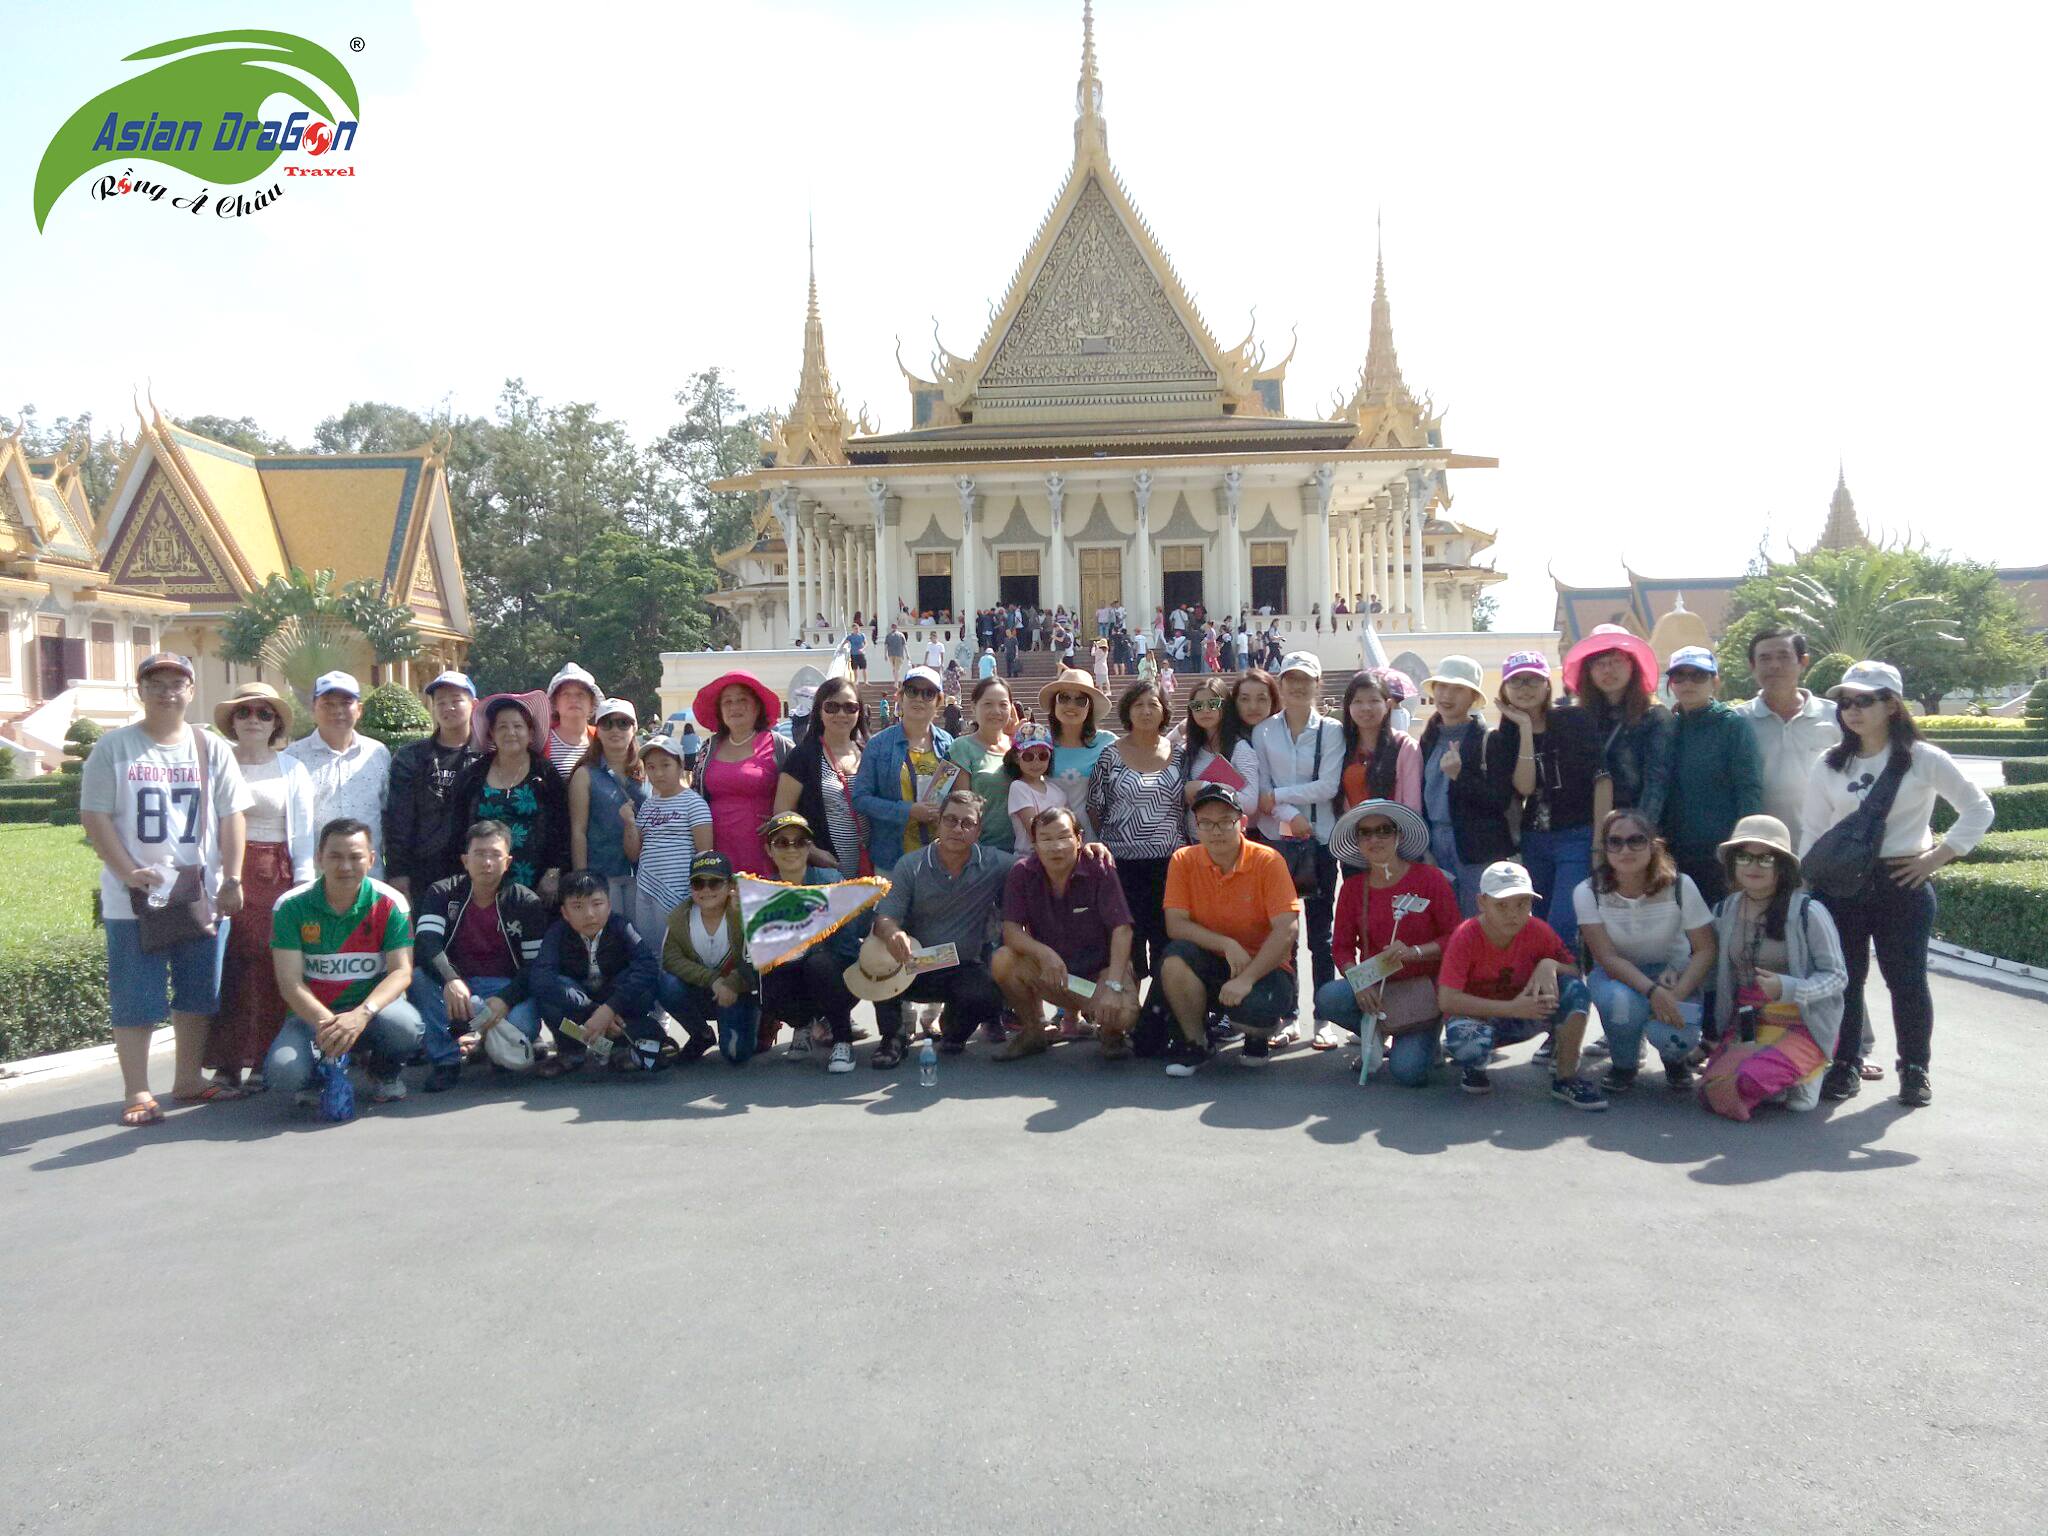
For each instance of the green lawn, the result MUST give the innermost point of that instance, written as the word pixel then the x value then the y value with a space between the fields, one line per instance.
pixel 47 877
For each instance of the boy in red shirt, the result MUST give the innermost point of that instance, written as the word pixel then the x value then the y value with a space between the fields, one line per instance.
pixel 1507 977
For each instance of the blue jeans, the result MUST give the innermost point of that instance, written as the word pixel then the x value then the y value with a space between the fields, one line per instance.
pixel 1409 1055
pixel 692 1007
pixel 1472 1041
pixel 425 995
pixel 1558 860
pixel 137 982
pixel 1625 1015
pixel 386 1044
pixel 1464 878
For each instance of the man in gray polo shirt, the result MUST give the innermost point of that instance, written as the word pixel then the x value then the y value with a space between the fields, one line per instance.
pixel 947 893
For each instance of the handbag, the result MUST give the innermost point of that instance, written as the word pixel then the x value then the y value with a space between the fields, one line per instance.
pixel 1300 852
pixel 188 912
pixel 1843 861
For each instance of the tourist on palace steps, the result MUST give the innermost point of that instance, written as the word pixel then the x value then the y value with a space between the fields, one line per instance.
pixel 1717 773
pixel 342 945
pixel 1651 938
pixel 594 978
pixel 857 651
pixel 157 798
pixel 893 646
pixel 475 935
pixel 812 986
pixel 278 855
pixel 817 780
pixel 1073 707
pixel 1138 809
pixel 1301 769
pixel 982 752
pixel 1231 912
pixel 935 652
pixel 1614 674
pixel 1547 756
pixel 706 972
pixel 1794 729
pixel 519 787
pixel 985 664
pixel 1399 908
pixel 896 768
pixel 1205 741
pixel 422 844
pixel 351 773
pixel 1010 664
pixel 1468 824
pixel 666 831
pixel 573 696
pixel 1064 915
pixel 605 793
pixel 944 894
pixel 741 766
pixel 1781 980
pixel 1881 747
pixel 1505 978
pixel 1098 655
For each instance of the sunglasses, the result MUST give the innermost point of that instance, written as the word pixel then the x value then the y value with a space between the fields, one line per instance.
pixel 1030 752
pixel 920 691
pixel 615 723
pixel 254 712
pixel 1748 860
pixel 1204 706
pixel 789 843
pixel 841 709
pixel 1376 830
pixel 707 882
pixel 1619 842
pixel 960 823
pixel 1072 698
pixel 1861 700
pixel 1689 675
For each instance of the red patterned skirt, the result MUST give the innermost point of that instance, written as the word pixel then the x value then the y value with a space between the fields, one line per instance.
pixel 252 1010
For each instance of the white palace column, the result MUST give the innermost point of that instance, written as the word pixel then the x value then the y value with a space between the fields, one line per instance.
pixel 1315 507
pixel 1382 555
pixel 879 498
pixel 1417 503
pixel 963 577
pixel 1052 592
pixel 1233 495
pixel 783 501
pixel 1142 484
pixel 1397 601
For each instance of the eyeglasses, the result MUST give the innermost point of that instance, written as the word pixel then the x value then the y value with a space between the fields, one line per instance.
pixel 1214 823
pixel 960 823
pixel 253 712
pixel 1204 706
pixel 1626 842
pixel 1376 830
pixel 788 843
pixel 1861 700
pixel 919 691
pixel 1744 859
pixel 1689 675
pixel 707 883
pixel 841 709
pixel 165 685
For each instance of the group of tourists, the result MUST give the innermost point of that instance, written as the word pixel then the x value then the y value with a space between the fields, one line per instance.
pixel 538 885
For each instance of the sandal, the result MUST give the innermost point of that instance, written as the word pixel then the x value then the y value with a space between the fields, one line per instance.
pixel 146 1112
pixel 215 1092
pixel 1870 1072
pixel 558 1066
pixel 887 1055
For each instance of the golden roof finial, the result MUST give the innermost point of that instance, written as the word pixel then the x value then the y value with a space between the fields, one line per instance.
pixel 1088 122
pixel 1381 382
pixel 1844 529
pixel 816 429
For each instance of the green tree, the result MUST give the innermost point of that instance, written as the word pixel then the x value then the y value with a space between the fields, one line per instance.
pixel 636 599
pixel 1484 612
pixel 302 626
pixel 1998 646
pixel 718 437
pixel 1866 603
pixel 370 426
pixel 241 432
pixel 98 454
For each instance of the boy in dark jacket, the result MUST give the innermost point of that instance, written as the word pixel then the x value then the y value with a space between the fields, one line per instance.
pixel 475 936
pixel 595 980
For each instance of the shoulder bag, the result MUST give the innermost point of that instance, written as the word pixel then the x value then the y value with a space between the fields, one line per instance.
pixel 188 912
pixel 1843 862
pixel 1300 852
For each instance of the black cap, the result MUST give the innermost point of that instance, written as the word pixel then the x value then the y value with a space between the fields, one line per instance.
pixel 1212 794
pixel 711 863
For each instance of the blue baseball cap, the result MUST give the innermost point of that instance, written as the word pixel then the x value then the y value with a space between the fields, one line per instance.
pixel 1698 657
pixel 451 679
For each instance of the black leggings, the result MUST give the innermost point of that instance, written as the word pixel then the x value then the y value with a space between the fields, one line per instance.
pixel 1144 883
pixel 807 987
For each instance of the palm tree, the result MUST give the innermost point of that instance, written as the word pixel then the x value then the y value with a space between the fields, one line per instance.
pixel 1862 605
pixel 300 625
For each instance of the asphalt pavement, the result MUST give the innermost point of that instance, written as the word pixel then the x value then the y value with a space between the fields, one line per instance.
pixel 1061 1295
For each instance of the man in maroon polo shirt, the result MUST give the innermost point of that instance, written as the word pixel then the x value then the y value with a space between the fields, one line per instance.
pixel 1064 915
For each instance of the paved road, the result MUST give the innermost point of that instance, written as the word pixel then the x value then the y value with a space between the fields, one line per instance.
pixel 1058 1296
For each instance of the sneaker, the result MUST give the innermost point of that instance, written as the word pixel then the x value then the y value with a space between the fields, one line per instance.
pixel 1255 1052
pixel 1577 1092
pixel 842 1058
pixel 1843 1081
pixel 1183 1059
pixel 443 1077
pixel 387 1090
pixel 799 1047
pixel 1475 1080
pixel 1225 1030
pixel 1545 1051
pixel 1915 1091
pixel 1618 1079
pixel 1678 1075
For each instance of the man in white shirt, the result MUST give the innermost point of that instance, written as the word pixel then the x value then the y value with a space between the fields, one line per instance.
pixel 935 655
pixel 351 773
pixel 1793 728
pixel 1301 770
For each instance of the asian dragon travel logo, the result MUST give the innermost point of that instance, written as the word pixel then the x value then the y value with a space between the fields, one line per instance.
pixel 201 113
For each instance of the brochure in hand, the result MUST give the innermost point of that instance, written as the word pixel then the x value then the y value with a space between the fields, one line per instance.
pixel 1219 771
pixel 1368 974
pixel 934 957
pixel 943 781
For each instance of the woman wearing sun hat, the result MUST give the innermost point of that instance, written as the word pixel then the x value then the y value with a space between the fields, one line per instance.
pixel 1895 914
pixel 741 765
pixel 1468 823
pixel 1780 979
pixel 573 697
pixel 1613 672
pixel 1547 755
pixel 281 831
pixel 1399 907
pixel 1073 707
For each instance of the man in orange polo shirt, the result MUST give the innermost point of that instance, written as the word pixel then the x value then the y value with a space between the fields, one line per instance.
pixel 1231 914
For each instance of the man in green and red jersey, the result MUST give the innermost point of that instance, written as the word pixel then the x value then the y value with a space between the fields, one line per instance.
pixel 342 945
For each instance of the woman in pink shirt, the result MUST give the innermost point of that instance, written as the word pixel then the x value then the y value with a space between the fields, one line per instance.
pixel 740 767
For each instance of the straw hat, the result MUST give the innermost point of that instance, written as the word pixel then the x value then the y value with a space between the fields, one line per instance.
pixel 877 975
pixel 253 693
pixel 1081 682
pixel 1767 830
pixel 1344 844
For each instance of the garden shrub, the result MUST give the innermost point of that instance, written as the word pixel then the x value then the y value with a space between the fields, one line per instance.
pixel 2020 808
pixel 1827 672
pixel 53 996
pixel 1996 908
pixel 394 715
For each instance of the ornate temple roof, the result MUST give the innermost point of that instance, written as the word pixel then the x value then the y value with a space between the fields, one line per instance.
pixel 817 427
pixel 1843 531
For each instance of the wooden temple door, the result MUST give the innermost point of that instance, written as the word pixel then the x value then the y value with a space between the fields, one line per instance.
pixel 1102 586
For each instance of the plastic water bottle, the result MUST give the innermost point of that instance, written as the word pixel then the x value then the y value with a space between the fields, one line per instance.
pixel 928 1066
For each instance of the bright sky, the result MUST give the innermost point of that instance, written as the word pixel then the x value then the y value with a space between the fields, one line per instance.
pixel 1668 264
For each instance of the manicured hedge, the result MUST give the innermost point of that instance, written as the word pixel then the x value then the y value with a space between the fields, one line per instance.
pixel 1993 746
pixel 29 810
pixel 2026 770
pixel 28 789
pixel 2019 807
pixel 1996 909
pixel 53 996
pixel 1969 725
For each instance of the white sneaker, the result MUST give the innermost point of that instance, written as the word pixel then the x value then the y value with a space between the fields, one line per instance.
pixel 842 1058
pixel 387 1090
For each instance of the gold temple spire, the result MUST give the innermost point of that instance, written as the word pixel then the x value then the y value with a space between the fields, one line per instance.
pixel 1844 530
pixel 1088 121
pixel 1381 383
pixel 816 429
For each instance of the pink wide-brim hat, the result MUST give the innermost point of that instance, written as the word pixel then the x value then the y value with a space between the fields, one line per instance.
pixel 1603 638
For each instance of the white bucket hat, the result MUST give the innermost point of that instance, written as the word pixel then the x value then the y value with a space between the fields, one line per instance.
pixel 509 1048
pixel 1462 671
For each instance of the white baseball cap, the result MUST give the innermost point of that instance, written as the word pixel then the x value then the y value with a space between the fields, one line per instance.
pixel 451 679
pixel 1506 878
pixel 337 682
pixel 609 707
pixel 1302 661
pixel 1868 677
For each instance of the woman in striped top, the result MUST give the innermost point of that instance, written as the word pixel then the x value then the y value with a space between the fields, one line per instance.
pixel 1134 800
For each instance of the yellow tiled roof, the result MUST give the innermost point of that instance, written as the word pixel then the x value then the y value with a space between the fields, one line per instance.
pixel 229 479
pixel 349 514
